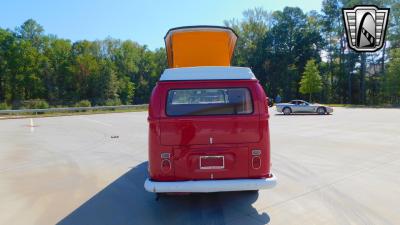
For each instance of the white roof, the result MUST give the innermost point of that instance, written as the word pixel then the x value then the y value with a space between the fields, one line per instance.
pixel 208 73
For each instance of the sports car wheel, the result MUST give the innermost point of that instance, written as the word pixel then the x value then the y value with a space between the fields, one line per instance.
pixel 287 111
pixel 321 110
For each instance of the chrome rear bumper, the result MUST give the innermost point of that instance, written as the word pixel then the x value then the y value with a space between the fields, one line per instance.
pixel 209 185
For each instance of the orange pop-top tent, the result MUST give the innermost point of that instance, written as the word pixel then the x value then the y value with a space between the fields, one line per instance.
pixel 200 46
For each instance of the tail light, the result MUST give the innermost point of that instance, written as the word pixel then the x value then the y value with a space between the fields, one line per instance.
pixel 166 162
pixel 165 165
pixel 256 160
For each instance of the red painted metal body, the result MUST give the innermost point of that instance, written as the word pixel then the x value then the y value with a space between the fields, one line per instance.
pixel 184 139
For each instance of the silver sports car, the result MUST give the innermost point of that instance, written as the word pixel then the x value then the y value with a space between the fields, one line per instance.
pixel 300 106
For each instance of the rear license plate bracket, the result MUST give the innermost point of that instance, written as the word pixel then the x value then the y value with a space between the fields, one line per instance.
pixel 212 162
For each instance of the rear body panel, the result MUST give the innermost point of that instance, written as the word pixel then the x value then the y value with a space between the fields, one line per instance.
pixel 187 139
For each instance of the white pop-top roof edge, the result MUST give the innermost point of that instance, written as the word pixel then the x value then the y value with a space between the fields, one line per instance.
pixel 207 73
pixel 200 28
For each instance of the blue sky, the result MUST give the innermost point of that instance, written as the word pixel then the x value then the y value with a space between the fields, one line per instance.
pixel 144 21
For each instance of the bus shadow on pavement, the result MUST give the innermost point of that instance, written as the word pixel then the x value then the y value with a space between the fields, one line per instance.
pixel 126 202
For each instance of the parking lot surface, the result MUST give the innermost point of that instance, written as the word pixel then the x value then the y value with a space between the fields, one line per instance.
pixel 336 169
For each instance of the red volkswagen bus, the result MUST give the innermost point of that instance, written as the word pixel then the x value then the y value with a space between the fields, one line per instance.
pixel 208 121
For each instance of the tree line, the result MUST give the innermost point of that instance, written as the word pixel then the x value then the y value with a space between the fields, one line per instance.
pixel 286 49
pixel 277 46
pixel 35 67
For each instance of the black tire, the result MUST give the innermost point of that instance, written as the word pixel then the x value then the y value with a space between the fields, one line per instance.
pixel 321 110
pixel 287 111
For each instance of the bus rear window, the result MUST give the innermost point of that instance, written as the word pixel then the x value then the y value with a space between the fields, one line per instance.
pixel 215 101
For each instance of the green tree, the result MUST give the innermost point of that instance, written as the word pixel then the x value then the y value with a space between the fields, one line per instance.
pixel 6 41
pixel 332 32
pixel 25 81
pixel 31 31
pixel 292 41
pixel 126 90
pixel 392 81
pixel 85 69
pixel 107 84
pixel 311 81
pixel 56 71
pixel 250 49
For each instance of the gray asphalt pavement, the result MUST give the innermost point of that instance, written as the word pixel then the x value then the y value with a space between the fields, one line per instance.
pixel 338 169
